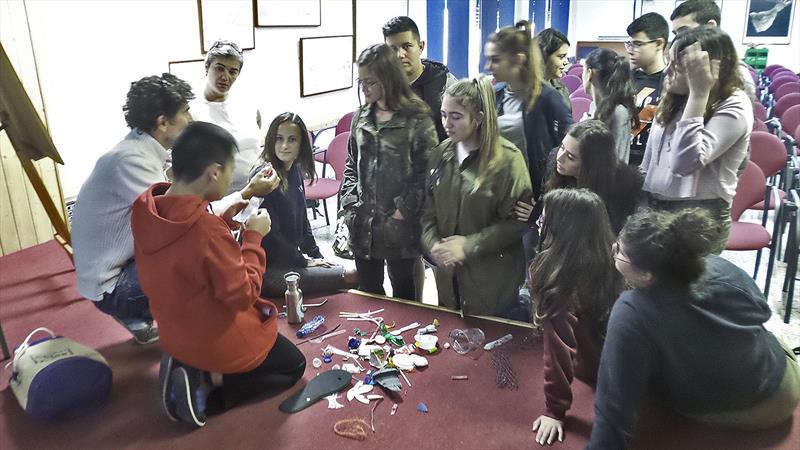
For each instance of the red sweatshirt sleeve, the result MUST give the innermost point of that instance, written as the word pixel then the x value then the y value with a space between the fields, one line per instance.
pixel 560 349
pixel 236 272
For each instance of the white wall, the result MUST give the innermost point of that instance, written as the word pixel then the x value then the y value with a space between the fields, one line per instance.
pixel 590 19
pixel 88 53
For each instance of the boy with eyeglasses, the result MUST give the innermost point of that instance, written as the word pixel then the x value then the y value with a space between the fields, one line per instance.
pixel 649 36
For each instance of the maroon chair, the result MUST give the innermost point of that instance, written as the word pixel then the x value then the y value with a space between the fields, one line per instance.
pixel 324 188
pixel 790 119
pixel 772 68
pixel 787 88
pixel 759 125
pixel 571 82
pixel 769 154
pixel 748 236
pixel 580 106
pixel 580 93
pixel 344 123
pixel 786 102
pixel 760 111
pixel 576 70
pixel 781 80
pixel 780 72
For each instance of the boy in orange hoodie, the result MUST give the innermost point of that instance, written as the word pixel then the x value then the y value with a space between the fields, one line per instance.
pixel 204 288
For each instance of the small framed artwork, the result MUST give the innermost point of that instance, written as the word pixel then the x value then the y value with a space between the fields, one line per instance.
pixel 231 20
pixel 287 13
pixel 326 64
pixel 769 21
pixel 193 71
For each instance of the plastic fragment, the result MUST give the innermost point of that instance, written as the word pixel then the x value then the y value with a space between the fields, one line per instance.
pixel 422 407
pixel 316 362
pixel 394 410
pixel 333 402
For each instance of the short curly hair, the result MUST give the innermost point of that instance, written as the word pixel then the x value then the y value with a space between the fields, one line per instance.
pixel 155 96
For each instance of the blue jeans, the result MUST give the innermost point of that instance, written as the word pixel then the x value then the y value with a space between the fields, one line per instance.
pixel 127 303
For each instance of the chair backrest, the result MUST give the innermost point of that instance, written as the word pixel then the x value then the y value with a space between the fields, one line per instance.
pixel 781 80
pixel 580 106
pixel 772 68
pixel 768 152
pixel 344 123
pixel 580 93
pixel 787 88
pixel 337 153
pixel 754 76
pixel 749 190
pixel 790 119
pixel 786 102
pixel 571 82
pixel 760 111
pixel 779 73
pixel 759 125
pixel 576 70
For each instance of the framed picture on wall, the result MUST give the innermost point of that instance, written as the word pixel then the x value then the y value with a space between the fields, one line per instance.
pixel 283 13
pixel 769 21
pixel 326 64
pixel 192 71
pixel 231 20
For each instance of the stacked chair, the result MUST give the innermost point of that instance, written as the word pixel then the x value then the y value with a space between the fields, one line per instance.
pixel 771 180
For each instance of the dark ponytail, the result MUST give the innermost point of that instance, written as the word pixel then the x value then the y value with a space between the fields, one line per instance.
pixel 612 85
pixel 671 245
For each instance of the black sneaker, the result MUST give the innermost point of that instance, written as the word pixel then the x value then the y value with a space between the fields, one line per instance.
pixel 191 390
pixel 166 386
pixel 146 335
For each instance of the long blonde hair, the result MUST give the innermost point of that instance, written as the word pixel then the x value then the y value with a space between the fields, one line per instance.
pixel 517 40
pixel 477 96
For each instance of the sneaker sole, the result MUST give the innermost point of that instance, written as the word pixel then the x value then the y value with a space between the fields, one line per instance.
pixel 184 406
pixel 165 378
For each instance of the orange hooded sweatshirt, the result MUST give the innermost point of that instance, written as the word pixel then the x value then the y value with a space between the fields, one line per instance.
pixel 202 286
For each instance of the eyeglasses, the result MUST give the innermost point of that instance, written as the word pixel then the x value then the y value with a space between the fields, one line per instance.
pixel 615 252
pixel 368 84
pixel 636 45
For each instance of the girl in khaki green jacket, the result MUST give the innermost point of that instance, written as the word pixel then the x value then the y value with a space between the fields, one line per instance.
pixel 469 230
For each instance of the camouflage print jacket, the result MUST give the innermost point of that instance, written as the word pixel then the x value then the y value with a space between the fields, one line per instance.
pixel 384 172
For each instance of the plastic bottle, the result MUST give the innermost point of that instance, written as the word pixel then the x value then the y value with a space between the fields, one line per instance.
pixel 294 298
pixel 310 326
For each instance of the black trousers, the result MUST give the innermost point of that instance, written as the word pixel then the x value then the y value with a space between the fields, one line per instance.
pixel 282 368
pixel 401 274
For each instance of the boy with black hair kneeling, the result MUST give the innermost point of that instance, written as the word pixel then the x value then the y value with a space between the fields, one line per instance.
pixel 204 288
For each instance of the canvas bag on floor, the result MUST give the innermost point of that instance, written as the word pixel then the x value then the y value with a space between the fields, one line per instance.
pixel 56 377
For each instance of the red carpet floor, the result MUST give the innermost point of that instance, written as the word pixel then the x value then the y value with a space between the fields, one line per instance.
pixel 37 288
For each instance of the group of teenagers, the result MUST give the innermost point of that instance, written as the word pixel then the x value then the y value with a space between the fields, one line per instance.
pixel 521 213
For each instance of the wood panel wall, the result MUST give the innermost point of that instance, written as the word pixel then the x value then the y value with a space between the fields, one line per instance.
pixel 23 221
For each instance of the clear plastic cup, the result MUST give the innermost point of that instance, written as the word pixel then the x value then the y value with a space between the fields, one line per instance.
pixel 467 341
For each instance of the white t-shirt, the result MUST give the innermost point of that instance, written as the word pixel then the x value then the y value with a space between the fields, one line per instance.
pixel 238 116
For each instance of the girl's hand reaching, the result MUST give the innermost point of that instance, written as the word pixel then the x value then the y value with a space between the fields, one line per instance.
pixel 547 429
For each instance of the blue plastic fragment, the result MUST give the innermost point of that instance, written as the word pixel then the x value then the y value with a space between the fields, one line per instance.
pixel 327 359
pixel 369 380
pixel 422 407
pixel 354 343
